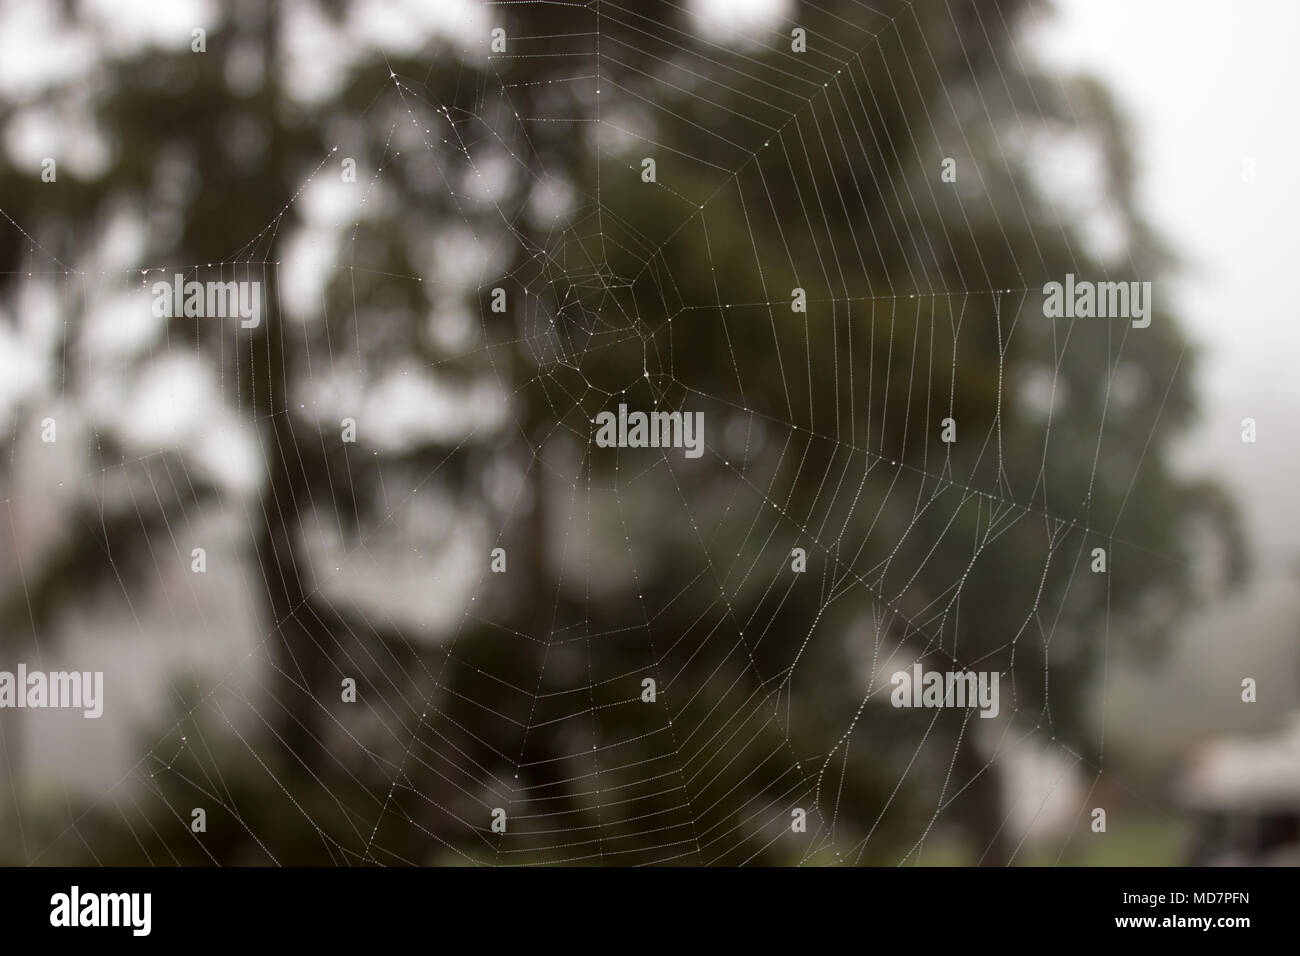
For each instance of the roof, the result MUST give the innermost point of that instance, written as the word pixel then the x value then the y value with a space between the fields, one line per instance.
pixel 1246 773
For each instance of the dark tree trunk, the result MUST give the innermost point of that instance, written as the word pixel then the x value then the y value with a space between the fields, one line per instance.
pixel 296 640
pixel 980 806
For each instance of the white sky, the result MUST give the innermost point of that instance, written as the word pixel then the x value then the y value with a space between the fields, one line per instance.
pixel 1209 86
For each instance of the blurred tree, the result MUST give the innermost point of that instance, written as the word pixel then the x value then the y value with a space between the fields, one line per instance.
pixel 774 170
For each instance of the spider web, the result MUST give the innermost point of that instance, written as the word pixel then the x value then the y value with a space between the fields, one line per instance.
pixel 822 433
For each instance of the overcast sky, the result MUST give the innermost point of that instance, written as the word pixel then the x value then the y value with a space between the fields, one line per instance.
pixel 1209 88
